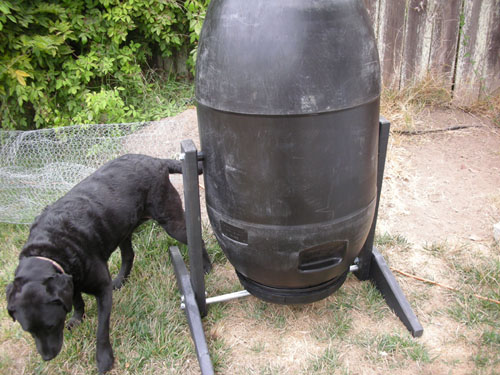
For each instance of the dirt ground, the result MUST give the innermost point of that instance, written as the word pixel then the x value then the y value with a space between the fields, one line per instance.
pixel 443 186
pixel 439 188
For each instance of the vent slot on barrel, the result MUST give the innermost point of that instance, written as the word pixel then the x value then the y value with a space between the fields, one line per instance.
pixel 322 257
pixel 234 233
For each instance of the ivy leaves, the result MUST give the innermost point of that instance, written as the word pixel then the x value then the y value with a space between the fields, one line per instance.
pixel 64 62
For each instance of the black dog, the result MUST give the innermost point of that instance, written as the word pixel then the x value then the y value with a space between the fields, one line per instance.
pixel 71 241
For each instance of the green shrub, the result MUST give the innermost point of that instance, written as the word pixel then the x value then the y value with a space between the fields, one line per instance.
pixel 73 61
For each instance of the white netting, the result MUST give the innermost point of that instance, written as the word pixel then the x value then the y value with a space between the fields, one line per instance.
pixel 37 167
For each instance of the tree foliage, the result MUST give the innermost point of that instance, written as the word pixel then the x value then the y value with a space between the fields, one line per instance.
pixel 73 61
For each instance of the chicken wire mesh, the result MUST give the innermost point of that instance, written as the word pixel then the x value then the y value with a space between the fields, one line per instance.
pixel 37 167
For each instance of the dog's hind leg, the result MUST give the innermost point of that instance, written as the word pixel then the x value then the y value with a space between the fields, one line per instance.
pixel 167 210
pixel 127 254
pixel 176 228
pixel 78 312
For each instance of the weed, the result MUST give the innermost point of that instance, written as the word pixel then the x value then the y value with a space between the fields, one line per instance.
pixel 258 347
pixel 373 300
pixel 436 249
pixel 479 275
pixel 483 275
pixel 271 369
pixel 408 348
pixel 489 107
pixel 395 348
pixel 392 240
pixel 487 356
pixel 491 338
pixel 337 325
pixel 470 311
pixel 401 107
pixel 327 363
pixel 480 360
pixel 219 353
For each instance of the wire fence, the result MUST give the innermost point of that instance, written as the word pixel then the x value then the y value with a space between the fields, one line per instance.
pixel 37 167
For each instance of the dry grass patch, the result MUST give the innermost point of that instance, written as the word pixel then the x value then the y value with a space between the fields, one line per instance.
pixel 402 107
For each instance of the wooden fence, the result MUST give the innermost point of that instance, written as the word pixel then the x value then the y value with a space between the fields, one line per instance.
pixel 456 41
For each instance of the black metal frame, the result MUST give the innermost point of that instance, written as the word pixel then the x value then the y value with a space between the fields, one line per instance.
pixel 192 284
pixel 371 264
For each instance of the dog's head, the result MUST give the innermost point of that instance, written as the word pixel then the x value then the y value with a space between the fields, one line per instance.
pixel 40 305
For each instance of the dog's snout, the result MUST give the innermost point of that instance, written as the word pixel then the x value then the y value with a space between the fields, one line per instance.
pixel 48 347
pixel 49 352
pixel 48 356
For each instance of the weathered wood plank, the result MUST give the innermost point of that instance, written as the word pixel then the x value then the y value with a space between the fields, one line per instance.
pixel 491 72
pixel 372 8
pixel 445 32
pixel 417 42
pixel 390 40
pixel 473 50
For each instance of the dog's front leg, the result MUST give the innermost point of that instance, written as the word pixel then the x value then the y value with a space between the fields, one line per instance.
pixel 79 310
pixel 104 353
pixel 127 253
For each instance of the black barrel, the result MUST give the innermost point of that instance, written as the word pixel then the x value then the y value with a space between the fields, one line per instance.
pixel 288 106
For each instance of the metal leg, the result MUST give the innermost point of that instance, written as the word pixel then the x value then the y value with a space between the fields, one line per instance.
pixel 384 280
pixel 192 284
pixel 192 312
pixel 193 221
pixel 365 256
pixel 372 265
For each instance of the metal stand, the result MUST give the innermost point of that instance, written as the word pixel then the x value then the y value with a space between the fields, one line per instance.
pixel 370 263
pixel 192 284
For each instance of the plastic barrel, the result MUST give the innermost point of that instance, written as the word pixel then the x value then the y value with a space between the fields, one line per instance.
pixel 288 106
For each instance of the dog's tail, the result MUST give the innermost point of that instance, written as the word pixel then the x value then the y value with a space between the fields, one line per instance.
pixel 175 166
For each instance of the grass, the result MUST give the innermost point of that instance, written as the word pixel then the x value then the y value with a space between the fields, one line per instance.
pixel 149 332
pixel 436 249
pixel 339 322
pixel 161 96
pixel 388 239
pixel 401 345
pixel 394 350
pixel 477 274
pixel 327 363
pixel 402 106
pixel 488 106
pixel 487 356
pixel 148 329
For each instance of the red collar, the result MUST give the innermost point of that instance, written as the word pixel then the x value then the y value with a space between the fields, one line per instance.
pixel 54 263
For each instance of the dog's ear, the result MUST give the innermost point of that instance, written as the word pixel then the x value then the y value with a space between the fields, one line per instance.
pixel 10 306
pixel 9 290
pixel 60 286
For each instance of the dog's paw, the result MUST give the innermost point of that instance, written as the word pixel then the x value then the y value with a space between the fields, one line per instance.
pixel 117 283
pixel 105 360
pixel 73 322
pixel 207 267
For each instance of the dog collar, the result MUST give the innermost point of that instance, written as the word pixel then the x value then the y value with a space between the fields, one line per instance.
pixel 54 263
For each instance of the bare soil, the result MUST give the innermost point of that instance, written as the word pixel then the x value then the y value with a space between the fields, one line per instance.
pixel 440 188
pixel 443 186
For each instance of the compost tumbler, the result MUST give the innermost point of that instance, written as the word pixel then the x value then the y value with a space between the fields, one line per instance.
pixel 288 98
